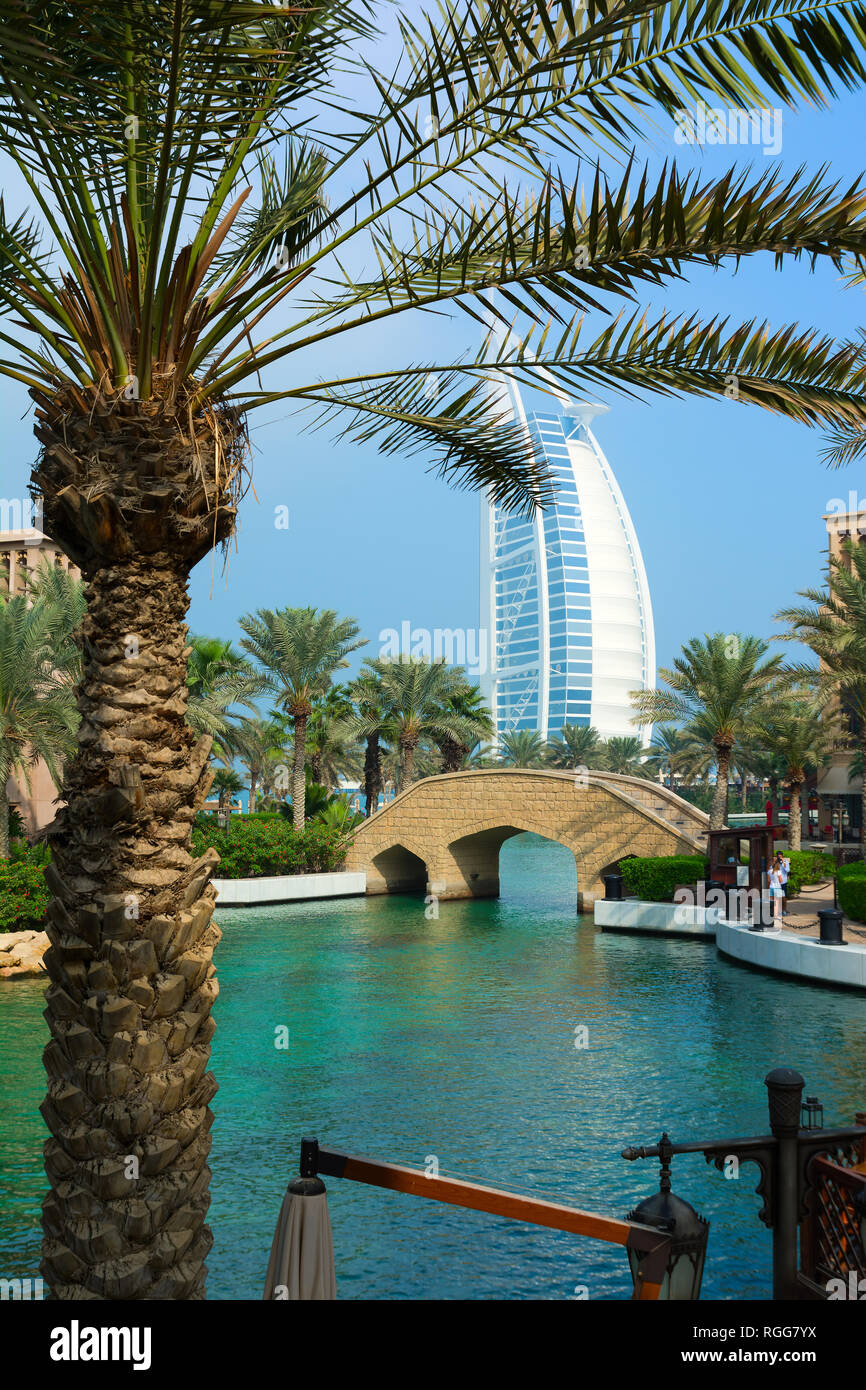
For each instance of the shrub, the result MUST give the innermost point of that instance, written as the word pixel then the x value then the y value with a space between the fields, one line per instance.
pixel 851 890
pixel 654 880
pixel 254 848
pixel 23 896
pixel 808 866
pixel 22 853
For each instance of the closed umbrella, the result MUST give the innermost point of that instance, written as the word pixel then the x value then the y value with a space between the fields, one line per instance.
pixel 301 1265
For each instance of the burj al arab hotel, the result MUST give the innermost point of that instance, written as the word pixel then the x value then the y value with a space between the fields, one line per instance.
pixel 564 594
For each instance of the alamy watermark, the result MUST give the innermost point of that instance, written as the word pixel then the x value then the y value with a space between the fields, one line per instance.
pixel 712 125
pixel 21 514
pixel 456 646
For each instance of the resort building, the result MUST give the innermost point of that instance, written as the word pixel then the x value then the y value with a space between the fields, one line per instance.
pixel 564 594
pixel 22 551
pixel 840 795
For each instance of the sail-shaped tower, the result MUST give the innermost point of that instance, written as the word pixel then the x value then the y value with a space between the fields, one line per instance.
pixel 564 594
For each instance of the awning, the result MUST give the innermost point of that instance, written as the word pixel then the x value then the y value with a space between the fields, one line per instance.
pixel 834 782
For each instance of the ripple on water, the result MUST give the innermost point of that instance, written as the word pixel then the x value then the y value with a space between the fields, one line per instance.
pixel 455 1038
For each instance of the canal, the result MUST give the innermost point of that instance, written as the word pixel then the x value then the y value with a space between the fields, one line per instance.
pixel 453 1040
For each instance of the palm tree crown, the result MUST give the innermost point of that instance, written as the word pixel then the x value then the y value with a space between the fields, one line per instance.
pixel 300 649
pixel 416 704
pixel 522 748
pixel 714 687
pixel 577 746
pixel 833 624
pixel 625 755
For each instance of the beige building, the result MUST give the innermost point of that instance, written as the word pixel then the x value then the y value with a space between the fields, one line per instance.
pixel 22 551
pixel 836 793
pixel 21 554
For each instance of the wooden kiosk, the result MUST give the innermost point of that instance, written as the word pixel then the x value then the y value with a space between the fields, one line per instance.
pixel 727 848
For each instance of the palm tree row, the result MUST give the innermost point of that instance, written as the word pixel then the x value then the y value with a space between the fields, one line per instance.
pixel 576 747
pixel 731 707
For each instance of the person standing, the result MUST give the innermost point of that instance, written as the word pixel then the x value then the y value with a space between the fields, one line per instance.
pixel 785 873
pixel 774 883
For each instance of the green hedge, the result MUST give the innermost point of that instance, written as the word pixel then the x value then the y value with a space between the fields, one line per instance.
pixel 654 880
pixel 808 866
pixel 261 849
pixel 851 890
pixel 23 896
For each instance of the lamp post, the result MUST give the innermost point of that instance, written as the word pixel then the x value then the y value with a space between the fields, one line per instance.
pixel 688 1233
pixel 783 1157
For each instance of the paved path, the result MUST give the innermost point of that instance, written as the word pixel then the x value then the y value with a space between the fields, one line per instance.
pixel 803 913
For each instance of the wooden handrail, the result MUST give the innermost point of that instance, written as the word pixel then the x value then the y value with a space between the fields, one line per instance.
pixel 653 1244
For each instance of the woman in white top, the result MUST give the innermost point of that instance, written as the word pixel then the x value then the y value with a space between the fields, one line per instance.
pixel 774 880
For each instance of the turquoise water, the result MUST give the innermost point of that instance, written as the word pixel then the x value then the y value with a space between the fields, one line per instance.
pixel 456 1038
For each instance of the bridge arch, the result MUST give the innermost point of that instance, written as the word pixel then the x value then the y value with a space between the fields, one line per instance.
pixel 400 870
pixel 476 857
pixel 455 824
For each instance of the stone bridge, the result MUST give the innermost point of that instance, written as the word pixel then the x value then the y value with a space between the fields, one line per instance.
pixel 443 834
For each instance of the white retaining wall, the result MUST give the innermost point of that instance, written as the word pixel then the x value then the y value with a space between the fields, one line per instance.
pixel 788 954
pixel 667 919
pixel 290 888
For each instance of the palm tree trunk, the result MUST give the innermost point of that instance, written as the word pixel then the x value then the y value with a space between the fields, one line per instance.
pixel 299 785
pixel 251 805
pixel 795 818
pixel 132 984
pixel 372 774
pixel 4 819
pixel 719 807
pixel 863 796
pixel 407 762
pixel 316 766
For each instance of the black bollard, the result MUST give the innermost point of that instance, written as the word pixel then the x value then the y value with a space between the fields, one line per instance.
pixel 613 887
pixel 830 919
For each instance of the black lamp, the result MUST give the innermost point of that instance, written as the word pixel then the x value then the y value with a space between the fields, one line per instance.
pixel 688 1232
pixel 811 1113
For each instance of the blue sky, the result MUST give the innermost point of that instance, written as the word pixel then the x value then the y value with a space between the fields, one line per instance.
pixel 726 499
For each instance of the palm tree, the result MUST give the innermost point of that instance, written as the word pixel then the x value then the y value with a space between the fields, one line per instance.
pixel 192 166
pixel 218 679
pixel 714 688
pixel 522 748
pixel 228 784
pixel 666 752
pixel 787 726
pixel 64 595
pixel 259 744
pixel 626 756
pixel 577 746
pixel 369 723
pixel 300 648
pixel 466 701
pixel 416 698
pixel 329 751
pixel 833 624
pixel 337 816
pixel 38 714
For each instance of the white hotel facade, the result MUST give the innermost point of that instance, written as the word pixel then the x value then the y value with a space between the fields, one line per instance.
pixel 564 595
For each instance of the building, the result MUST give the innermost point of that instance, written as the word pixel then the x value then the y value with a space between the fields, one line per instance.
pixel 840 796
pixel 564 594
pixel 22 551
